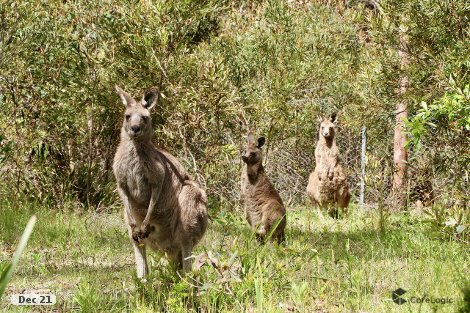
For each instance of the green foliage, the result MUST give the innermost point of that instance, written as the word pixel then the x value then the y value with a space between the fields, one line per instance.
pixel 439 140
pixel 451 112
pixel 224 67
pixel 465 307
pixel 9 269
pixel 434 37
pixel 89 300
pixel 5 148
pixel 219 74
pixel 449 223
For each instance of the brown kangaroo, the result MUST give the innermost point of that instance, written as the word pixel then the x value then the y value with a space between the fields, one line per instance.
pixel 328 183
pixel 263 205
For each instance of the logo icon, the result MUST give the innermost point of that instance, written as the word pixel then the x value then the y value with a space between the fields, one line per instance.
pixel 396 296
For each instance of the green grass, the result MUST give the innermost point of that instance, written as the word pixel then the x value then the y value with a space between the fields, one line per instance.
pixel 327 265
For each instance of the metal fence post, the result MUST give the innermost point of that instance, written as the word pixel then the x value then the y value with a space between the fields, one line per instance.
pixel 363 167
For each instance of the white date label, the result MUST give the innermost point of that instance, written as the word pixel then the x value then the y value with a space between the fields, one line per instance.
pixel 33 299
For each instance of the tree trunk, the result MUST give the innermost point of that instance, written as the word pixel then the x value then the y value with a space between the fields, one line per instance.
pixel 400 155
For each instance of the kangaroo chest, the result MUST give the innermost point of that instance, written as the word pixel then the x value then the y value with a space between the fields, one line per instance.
pixel 253 194
pixel 326 155
pixel 134 175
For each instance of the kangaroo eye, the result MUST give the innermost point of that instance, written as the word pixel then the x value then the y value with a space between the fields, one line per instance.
pixel 145 118
pixel 128 116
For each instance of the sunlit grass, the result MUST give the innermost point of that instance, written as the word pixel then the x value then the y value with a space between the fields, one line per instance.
pixel 326 265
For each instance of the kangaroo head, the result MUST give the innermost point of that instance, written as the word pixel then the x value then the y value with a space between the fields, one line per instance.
pixel 328 126
pixel 253 153
pixel 137 122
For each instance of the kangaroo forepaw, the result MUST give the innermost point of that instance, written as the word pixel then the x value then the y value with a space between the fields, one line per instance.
pixel 135 235
pixel 138 236
pixel 146 230
pixel 134 232
pixel 142 233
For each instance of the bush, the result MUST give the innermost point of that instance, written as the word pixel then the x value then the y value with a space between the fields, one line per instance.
pixel 222 67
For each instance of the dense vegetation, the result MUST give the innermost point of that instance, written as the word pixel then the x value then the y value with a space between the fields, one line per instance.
pixel 223 67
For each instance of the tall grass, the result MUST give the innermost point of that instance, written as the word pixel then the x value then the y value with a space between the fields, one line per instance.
pixel 351 264
pixel 9 268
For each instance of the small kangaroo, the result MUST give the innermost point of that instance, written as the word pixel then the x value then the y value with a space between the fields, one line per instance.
pixel 164 208
pixel 263 205
pixel 328 185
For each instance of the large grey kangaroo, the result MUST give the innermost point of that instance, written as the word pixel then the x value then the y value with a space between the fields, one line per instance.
pixel 165 209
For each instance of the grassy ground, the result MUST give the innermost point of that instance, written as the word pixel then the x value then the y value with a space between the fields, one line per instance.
pixel 327 265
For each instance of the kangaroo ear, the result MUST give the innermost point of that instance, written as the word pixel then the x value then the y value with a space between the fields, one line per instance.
pixel 250 138
pixel 333 117
pixel 261 142
pixel 319 120
pixel 126 98
pixel 150 97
